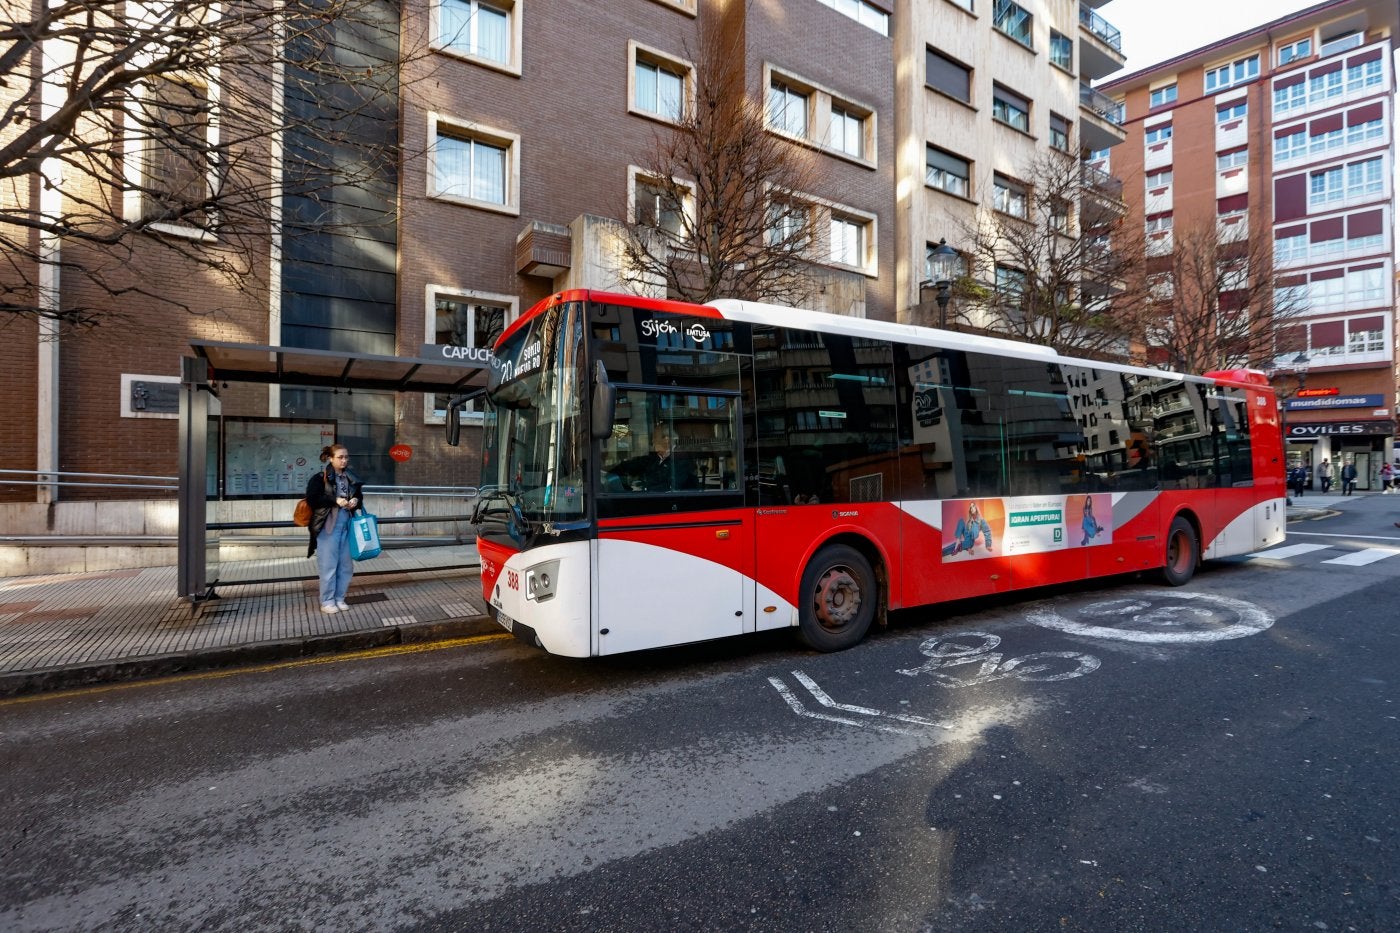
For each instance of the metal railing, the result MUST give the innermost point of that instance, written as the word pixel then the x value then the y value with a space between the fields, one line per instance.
pixel 1101 28
pixel 1101 104
pixel 58 478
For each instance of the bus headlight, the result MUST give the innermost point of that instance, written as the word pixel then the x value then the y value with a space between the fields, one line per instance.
pixel 541 579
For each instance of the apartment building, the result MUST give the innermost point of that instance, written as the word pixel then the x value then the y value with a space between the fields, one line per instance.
pixel 1286 133
pixel 986 88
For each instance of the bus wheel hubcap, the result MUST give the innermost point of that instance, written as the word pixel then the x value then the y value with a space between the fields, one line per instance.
pixel 838 598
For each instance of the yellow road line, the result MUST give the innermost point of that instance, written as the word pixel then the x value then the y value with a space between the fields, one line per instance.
pixel 364 655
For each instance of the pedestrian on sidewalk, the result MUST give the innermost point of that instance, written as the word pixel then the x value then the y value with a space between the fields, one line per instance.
pixel 1298 478
pixel 333 494
pixel 1348 478
pixel 1324 473
pixel 1387 477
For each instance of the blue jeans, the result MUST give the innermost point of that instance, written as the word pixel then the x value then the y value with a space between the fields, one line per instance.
pixel 333 557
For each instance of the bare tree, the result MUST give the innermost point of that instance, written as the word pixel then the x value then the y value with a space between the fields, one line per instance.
pixel 1216 300
pixel 1049 262
pixel 181 128
pixel 720 209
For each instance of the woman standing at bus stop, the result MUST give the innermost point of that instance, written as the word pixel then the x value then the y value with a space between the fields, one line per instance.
pixel 333 494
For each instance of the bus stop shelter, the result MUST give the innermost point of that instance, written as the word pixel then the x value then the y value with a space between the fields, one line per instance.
pixel 437 369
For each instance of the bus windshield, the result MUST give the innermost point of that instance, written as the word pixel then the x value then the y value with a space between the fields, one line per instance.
pixel 535 435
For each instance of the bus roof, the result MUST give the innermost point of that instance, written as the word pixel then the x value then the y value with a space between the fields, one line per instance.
pixel 757 312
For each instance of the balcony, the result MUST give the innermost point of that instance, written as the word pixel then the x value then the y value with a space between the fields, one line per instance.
pixel 1100 45
pixel 1101 183
pixel 1100 120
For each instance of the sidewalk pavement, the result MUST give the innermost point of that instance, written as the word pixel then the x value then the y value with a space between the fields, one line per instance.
pixel 68 630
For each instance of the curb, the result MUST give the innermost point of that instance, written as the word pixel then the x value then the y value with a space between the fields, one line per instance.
pixel 67 677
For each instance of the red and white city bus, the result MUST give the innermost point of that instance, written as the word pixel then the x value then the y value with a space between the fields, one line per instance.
pixel 657 473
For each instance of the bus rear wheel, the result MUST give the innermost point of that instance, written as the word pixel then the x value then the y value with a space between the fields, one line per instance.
pixel 837 600
pixel 1183 553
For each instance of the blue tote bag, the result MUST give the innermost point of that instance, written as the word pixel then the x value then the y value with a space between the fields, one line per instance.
pixel 364 536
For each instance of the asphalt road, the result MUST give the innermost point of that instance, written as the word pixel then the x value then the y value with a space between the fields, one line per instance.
pixel 1124 757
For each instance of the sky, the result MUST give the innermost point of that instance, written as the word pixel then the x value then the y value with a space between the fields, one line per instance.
pixel 1154 31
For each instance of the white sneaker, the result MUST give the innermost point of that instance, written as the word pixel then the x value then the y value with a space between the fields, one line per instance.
pixel 342 605
pixel 328 608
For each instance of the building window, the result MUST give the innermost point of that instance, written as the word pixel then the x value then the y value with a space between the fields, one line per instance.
pixel 461 318
pixel 1158 223
pixel 1236 72
pixel 1227 112
pixel 177 152
pixel 1013 21
pixel 1294 51
pixel 1011 282
pixel 1291 97
pixel 1059 215
pixel 476 30
pixel 1292 247
pixel 847 241
pixel 948 76
pixel 1364 178
pixel 1326 140
pixel 1059 132
pixel 1009 197
pixel 1368 129
pixel 1162 96
pixel 847 132
pixel 787 108
pixel 473 164
pixel 658 87
pixel 1159 179
pixel 869 16
pixel 1325 186
pixel 789 224
pixel 1234 158
pixel 1364 75
pixel 1061 51
pixel 663 206
pixel 1011 108
pixel 1347 40
pixel 1292 146
pixel 947 172
pixel 1158 134
pixel 1325 86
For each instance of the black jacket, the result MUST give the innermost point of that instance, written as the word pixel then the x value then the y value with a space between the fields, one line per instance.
pixel 320 495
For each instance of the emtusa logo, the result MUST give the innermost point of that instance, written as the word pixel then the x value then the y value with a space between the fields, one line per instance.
pixel 698 333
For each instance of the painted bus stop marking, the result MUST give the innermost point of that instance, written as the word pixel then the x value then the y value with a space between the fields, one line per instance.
pixel 1151 617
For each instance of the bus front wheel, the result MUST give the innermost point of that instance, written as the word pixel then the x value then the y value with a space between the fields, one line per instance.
pixel 1183 553
pixel 838 599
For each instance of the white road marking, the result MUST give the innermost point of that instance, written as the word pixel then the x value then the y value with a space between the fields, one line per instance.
pixel 1362 558
pixel 799 709
pixel 825 700
pixel 1154 613
pixel 1292 550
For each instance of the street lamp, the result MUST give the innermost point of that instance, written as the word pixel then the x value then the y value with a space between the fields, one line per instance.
pixel 943 267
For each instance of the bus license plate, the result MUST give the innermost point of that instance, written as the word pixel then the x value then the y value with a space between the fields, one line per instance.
pixel 506 621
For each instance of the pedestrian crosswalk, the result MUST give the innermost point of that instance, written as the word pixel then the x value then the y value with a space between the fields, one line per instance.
pixel 1347 557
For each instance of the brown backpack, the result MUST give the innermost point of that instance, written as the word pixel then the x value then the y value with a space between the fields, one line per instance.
pixel 301 515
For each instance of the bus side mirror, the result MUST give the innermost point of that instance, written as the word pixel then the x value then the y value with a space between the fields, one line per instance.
pixel 454 415
pixel 454 425
pixel 604 402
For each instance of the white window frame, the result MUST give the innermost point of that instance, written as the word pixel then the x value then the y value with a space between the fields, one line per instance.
pixel 1293 51
pixel 1365 178
pixel 638 54
pixel 1364 75
pixel 1235 111
pixel 1238 158
pixel 1292 146
pixel 868 15
pixel 514 13
pixel 1159 179
pixel 1229 74
pixel 1157 134
pixel 511 303
pixel 1161 96
pixel 1292 97
pixel 1290 249
pixel 463 129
